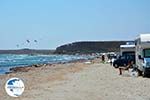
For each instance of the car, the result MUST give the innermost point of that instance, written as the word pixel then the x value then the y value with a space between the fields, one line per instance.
pixel 112 59
pixel 123 61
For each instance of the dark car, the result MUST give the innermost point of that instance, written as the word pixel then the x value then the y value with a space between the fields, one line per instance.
pixel 123 61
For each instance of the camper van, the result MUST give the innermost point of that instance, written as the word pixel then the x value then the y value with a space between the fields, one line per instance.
pixel 128 49
pixel 142 49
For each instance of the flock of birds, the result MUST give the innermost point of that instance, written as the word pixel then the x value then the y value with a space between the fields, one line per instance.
pixel 28 42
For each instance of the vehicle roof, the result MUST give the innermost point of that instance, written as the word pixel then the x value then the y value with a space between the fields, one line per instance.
pixel 144 37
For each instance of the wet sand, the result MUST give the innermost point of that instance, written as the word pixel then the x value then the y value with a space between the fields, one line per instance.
pixel 78 81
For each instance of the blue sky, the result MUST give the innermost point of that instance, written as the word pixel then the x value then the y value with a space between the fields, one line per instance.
pixel 56 22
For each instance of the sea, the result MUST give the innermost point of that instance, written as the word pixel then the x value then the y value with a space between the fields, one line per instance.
pixel 8 61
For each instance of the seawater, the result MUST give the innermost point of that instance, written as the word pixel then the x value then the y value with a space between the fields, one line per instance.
pixel 8 61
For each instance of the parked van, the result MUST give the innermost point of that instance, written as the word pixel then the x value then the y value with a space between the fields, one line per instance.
pixel 142 49
pixel 128 49
pixel 127 54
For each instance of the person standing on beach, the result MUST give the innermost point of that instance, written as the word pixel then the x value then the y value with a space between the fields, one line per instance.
pixel 103 58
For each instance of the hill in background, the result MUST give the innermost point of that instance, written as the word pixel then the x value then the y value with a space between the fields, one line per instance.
pixel 84 47
pixel 27 51
pixel 90 47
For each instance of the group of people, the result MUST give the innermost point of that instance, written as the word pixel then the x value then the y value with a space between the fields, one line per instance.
pixel 130 65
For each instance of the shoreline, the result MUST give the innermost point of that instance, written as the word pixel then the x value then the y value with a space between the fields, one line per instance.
pixel 31 67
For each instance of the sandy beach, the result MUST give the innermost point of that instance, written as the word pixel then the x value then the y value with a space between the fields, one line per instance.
pixel 78 81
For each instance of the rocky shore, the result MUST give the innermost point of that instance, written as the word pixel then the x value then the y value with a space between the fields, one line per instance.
pixel 32 67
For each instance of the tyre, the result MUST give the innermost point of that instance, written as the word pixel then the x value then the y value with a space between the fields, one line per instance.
pixel 144 73
pixel 116 65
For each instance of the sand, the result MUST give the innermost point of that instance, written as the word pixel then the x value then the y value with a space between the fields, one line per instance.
pixel 78 81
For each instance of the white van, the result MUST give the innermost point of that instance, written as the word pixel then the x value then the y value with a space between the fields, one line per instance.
pixel 142 49
pixel 128 49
